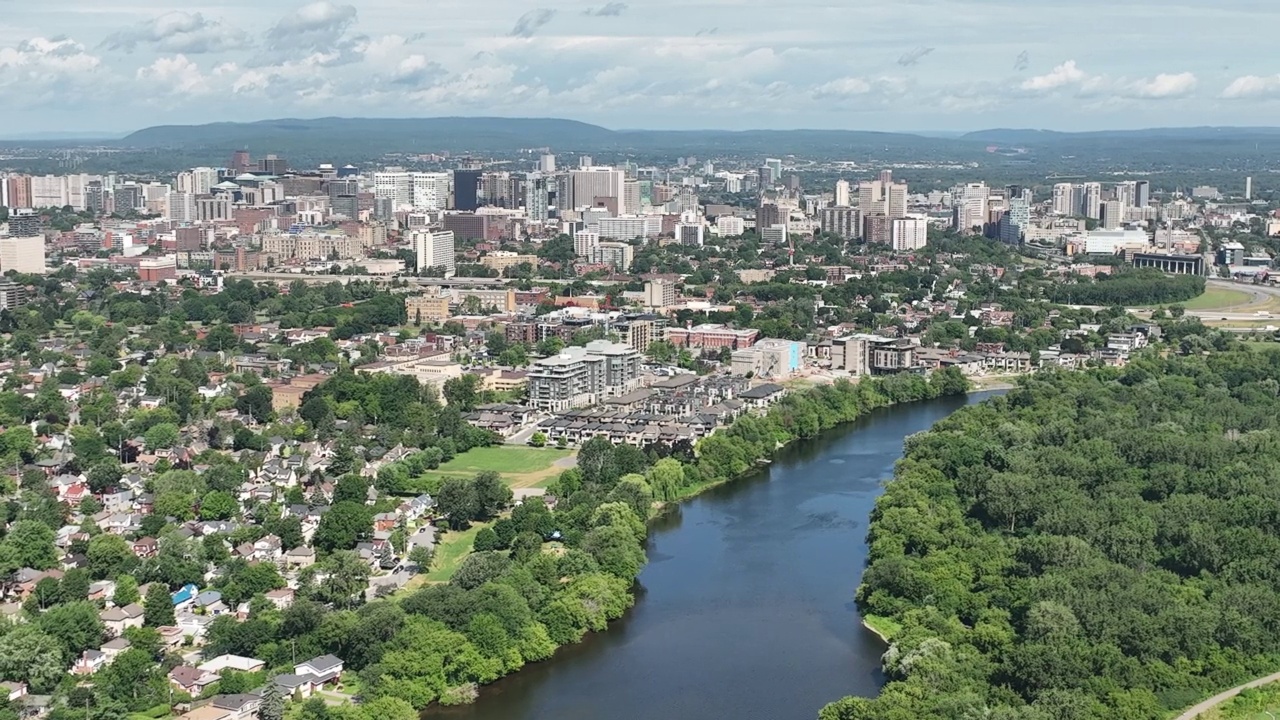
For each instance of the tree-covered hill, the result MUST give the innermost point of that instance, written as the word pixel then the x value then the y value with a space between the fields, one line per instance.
pixel 1092 545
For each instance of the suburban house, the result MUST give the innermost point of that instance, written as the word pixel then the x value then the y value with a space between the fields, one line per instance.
pixel 239 663
pixel 325 669
pixel 191 680
pixel 118 619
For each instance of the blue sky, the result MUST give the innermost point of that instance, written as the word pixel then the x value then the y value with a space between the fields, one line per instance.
pixel 76 65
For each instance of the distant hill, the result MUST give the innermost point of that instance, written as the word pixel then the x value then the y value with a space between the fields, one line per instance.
pixel 1007 136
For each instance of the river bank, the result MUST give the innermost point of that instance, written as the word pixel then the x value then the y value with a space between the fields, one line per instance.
pixel 744 609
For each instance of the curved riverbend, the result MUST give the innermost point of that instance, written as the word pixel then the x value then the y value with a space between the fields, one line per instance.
pixel 745 610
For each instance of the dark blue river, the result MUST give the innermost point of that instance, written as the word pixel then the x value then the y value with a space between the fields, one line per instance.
pixel 746 608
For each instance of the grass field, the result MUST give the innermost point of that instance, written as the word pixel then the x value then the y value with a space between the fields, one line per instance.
pixel 454 547
pixel 1216 298
pixel 882 626
pixel 519 467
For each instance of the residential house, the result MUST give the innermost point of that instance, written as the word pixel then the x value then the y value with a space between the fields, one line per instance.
pixel 184 598
pixel 281 598
pixel 191 680
pixel 118 619
pixel 300 557
pixel 210 601
pixel 326 669
pixel 242 706
pixel 239 663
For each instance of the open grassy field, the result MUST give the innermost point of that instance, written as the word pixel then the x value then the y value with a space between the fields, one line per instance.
pixel 519 467
pixel 454 547
pixel 1217 298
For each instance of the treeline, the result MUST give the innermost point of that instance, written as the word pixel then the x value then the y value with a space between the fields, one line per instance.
pixel 1092 545
pixel 1127 287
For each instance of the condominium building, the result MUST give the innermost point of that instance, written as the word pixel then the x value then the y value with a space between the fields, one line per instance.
pixel 394 184
pixel 659 294
pixel 584 376
pixel 629 226
pixel 429 191
pixel 883 197
pixel 909 233
pixel 842 220
pixel 587 184
pixel 434 250
pixel 617 254
pixel 427 308
pixel 730 226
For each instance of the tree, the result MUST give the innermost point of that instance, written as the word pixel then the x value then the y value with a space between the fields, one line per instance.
pixel 457 502
pixel 462 392
pixel 351 488
pixel 126 591
pixel 420 555
pixel 158 607
pixel 485 541
pixel 29 544
pixel 272 707
pixel 256 403
pixel 110 556
pixel 221 338
pixel 492 495
pixel 348 578
pixel 161 435
pixel 343 526
pixel 75 625
pixel 479 568
pixel 218 505
pixel 105 475
pixel 538 439
pixel 30 655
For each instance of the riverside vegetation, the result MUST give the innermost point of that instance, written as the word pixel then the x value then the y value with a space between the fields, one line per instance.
pixel 1091 545
pixel 552 573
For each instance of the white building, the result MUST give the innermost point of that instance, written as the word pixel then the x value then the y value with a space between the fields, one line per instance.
pixel 23 254
pixel 730 226
pixel 180 207
pixel 428 191
pixel 197 181
pixel 394 184
pixel 434 250
pixel 585 243
pixel 909 233
pixel 842 193
pixel 587 184
pixel 629 226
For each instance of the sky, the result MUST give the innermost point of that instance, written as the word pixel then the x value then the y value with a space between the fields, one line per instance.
pixel 904 65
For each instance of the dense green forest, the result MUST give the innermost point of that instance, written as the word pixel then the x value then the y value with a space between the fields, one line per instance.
pixel 1091 545
pixel 1128 287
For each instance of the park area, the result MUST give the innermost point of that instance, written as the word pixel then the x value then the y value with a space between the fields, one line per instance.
pixel 1219 298
pixel 519 467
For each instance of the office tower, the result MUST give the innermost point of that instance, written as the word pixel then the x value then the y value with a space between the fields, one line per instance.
pixel 883 197
pixel 1015 221
pixel 769 214
pixel 764 177
pixel 347 206
pixel 25 222
pixel 1248 188
pixel 585 161
pixel 129 197
pixel 547 164
pixel 775 169
pixel 211 208
pixel 536 198
pixel 1092 204
pixel 429 191
pixel 587 184
pixel 396 185
pixel 1112 214
pixel 19 192
pixel 969 206
pixel 434 250
pixel 338 188
pixel 843 221
pixel 689 234
pixel 50 191
pixel 842 193
pixel 273 165
pixel 240 164
pixel 1142 194
pixel 95 197
pixel 909 233
pixel 585 243
pixel 466 190
pixel 22 254
pixel 384 209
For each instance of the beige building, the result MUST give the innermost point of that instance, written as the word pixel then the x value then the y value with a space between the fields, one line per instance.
pixel 504 299
pixel 23 254
pixel 427 308
pixel 501 260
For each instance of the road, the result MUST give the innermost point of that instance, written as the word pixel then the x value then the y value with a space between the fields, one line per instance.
pixel 1226 695
pixel 1261 297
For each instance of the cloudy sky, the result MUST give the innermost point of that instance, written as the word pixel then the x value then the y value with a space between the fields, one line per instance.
pixel 81 65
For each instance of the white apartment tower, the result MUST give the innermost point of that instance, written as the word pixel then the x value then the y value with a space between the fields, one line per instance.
pixel 434 250
pixel 396 185
pixel 842 193
pixel 909 233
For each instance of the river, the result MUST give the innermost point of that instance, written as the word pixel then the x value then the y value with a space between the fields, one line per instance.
pixel 745 611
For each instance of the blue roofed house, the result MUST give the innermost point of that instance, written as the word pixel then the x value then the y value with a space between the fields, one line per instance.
pixel 185 596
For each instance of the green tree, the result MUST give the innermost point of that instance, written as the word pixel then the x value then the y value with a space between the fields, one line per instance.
pixel 28 544
pixel 345 524
pixel 158 607
pixel 218 505
pixel 126 591
pixel 110 556
pixel 256 403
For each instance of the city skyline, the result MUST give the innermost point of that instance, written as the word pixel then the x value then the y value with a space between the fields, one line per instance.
pixel 90 68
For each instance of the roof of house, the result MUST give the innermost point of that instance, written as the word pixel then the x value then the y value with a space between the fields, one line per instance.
pixel 323 663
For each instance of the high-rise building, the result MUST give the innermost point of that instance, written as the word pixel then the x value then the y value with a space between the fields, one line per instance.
pixel 1112 214
pixel 18 192
pixel 537 199
pixel 180 207
pixel 587 184
pixel 877 229
pixel 689 234
pixel 95 197
pixel 547 163
pixel 585 243
pixel 581 376
pixel 1014 223
pixel 842 198
pixel 1063 199
pixel 12 295
pixel 1142 194
pixel 273 165
pixel 631 199
pixel 841 220
pixel 22 254
pixel 429 191
pixel 1248 188
pixel 50 191
pixel 659 294
pixel 969 206
pixel 434 250
pixel 212 208
pixel 129 197
pixel 240 164
pixel 197 181
pixel 775 169
pixel 394 184
pixel 585 161
pixel 25 222
pixel 618 254
pixel 882 197
pixel 909 233
pixel 466 189
pixel 1092 203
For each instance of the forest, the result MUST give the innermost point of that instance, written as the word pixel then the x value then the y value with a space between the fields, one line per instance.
pixel 1128 287
pixel 1091 545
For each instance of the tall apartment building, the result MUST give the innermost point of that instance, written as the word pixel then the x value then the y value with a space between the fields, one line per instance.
pixel 1014 223
pixel 842 220
pixel 427 308
pixel 730 226
pixel 659 294
pixel 537 198
pixel 1112 214
pixel 883 197
pixel 842 197
pixel 1092 203
pixel 180 207
pixel 909 233
pixel 690 234
pixel 434 250
pixel 585 243
pixel 50 191
pixel 1064 199
pixel 12 295
pixel 23 254
pixel 197 181
pixel 394 184
pixel 617 254
pixel 969 205
pixel 18 192
pixel 584 376
pixel 429 191
pixel 877 229
pixel 212 208
pixel 629 226
pixel 25 222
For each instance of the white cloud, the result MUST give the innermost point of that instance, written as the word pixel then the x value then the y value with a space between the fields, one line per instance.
pixel 1253 86
pixel 176 74
pixel 180 32
pixel 312 25
pixel 1165 85
pixel 842 87
pixel 48 55
pixel 1065 74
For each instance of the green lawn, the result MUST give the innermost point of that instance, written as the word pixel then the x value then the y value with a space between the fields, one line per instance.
pixel 503 459
pixel 1214 298
pixel 882 626
pixel 454 547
